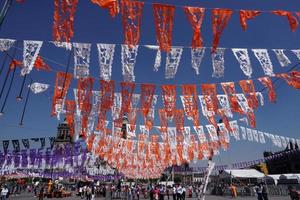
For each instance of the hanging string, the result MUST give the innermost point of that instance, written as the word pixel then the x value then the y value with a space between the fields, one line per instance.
pixel 211 8
pixel 8 71
pixel 25 105
pixel 4 11
pixel 19 97
pixel 3 63
pixel 8 91
pixel 66 73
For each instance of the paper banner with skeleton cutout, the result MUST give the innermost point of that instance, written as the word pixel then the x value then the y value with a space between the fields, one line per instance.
pixel 243 58
pixel 31 51
pixel 200 133
pixel 283 60
pixel 172 62
pixel 218 62
pixel 157 62
pixel 235 130
pixel 82 53
pixel 128 59
pixel 263 57
pixel 197 55
pixel 106 57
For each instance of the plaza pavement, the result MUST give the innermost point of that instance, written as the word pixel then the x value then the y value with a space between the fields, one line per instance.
pixel 209 197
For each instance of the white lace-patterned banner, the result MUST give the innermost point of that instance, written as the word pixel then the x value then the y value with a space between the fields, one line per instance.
pixel 197 55
pixel 261 137
pixel 218 63
pixel 260 97
pixel 31 51
pixel 283 141
pixel 224 102
pixel 243 132
pixel 205 112
pixel 255 135
pixel 82 53
pixel 283 60
pixel 212 132
pixel 116 108
pixel 65 45
pixel 157 62
pixel 94 112
pixel 243 103
pixel 128 59
pixel 235 129
pixel 37 88
pixel 243 58
pixel 135 99
pixel 151 114
pixel 78 111
pixel 6 44
pixel 263 57
pixel 225 132
pixel 200 133
pixel 297 53
pixel 172 62
pixel 106 56
pixel 249 134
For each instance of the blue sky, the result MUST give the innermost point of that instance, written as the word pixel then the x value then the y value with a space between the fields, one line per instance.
pixel 33 20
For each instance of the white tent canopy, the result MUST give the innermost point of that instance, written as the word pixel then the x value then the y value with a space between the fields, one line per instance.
pixel 276 177
pixel 241 173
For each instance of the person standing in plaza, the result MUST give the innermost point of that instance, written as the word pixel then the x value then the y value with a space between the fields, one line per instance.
pixel 258 191
pixel 4 192
pixel 174 192
pixel 265 191
pixel 233 191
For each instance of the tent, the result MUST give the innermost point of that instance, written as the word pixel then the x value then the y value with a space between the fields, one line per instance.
pixel 241 173
pixel 284 178
pixel 245 176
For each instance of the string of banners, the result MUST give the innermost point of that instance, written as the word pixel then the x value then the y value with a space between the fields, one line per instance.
pixel 156 152
pixel 82 53
pixel 131 16
pixel 90 110
pixel 131 11
pixel 72 158
pixel 20 144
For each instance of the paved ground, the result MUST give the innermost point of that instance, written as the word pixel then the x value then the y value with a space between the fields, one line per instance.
pixel 30 197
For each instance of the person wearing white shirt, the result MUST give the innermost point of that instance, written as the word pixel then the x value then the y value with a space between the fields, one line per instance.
pixel 4 192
